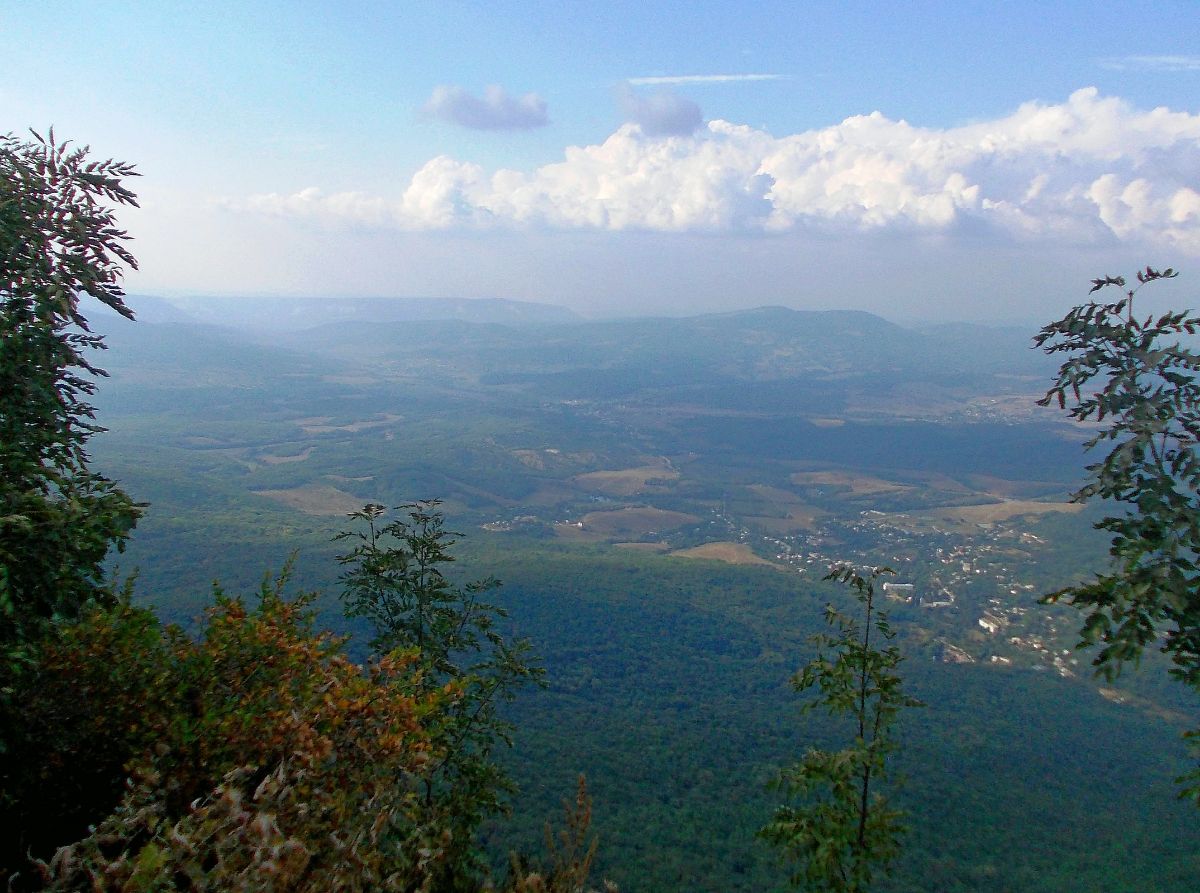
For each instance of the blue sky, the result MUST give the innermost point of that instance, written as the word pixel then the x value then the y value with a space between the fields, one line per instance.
pixel 618 158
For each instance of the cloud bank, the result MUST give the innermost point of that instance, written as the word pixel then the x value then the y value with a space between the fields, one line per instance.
pixel 497 110
pixel 1087 170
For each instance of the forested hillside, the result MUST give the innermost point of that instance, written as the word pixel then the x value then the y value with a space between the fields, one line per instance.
pixel 667 676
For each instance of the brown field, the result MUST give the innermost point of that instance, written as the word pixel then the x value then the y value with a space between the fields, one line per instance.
pixel 859 484
pixel 552 457
pixel 549 493
pixel 967 516
pixel 937 481
pixel 1002 511
pixel 530 458
pixel 1011 406
pixel 775 495
pixel 787 511
pixel 625 481
pixel 730 553
pixel 569 530
pixel 315 499
pixel 318 425
pixel 283 460
pixel 907 400
pixel 1143 704
pixel 463 488
pixel 783 526
pixel 634 521
pixel 1003 488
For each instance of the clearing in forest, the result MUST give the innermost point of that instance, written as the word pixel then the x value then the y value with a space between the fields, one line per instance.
pixel 315 499
pixel 634 521
pixel 283 460
pixel 992 512
pixel 731 553
pixel 626 481
pixel 858 484
pixel 781 511
pixel 318 424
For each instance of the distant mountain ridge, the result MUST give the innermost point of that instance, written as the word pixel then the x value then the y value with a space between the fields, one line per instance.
pixel 297 314
pixel 806 322
pixel 499 342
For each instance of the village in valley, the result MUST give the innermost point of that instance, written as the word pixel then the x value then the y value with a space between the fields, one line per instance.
pixel 974 593
pixel 967 589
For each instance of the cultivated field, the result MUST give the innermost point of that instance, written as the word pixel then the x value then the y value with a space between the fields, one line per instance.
pixel 315 499
pixel 319 425
pixel 626 481
pixel 782 511
pixel 730 553
pixel 966 517
pixel 631 521
pixel 858 484
pixel 284 460
pixel 553 459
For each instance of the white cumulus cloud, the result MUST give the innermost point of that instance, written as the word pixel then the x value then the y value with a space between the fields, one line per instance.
pixel 1089 169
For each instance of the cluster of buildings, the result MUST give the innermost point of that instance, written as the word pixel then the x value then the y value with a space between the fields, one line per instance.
pixel 974 590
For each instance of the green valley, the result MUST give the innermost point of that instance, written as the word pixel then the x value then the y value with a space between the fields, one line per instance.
pixel 660 498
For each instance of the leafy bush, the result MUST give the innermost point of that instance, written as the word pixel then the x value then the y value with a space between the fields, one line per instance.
pixel 265 758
